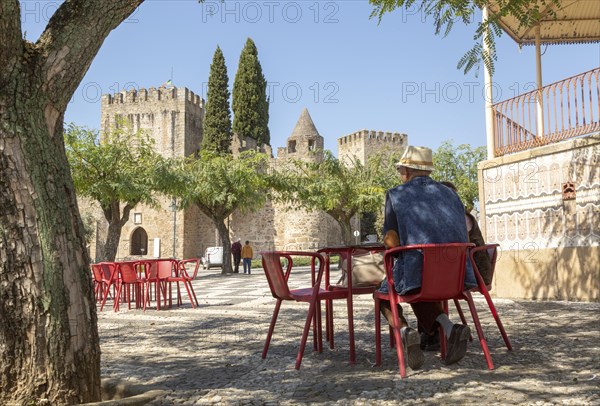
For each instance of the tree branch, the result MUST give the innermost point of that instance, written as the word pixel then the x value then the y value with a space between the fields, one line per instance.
pixel 72 39
pixel 11 43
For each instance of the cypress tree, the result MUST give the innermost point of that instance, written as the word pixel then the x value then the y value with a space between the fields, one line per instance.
pixel 250 103
pixel 217 120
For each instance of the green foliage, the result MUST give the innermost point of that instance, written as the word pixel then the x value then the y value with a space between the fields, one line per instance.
pixel 116 168
pixel 217 184
pixel 446 12
pixel 217 120
pixel 250 102
pixel 341 190
pixel 459 166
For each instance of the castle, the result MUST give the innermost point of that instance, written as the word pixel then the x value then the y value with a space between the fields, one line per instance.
pixel 173 117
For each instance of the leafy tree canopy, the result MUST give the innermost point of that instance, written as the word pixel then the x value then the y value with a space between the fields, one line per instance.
pixel 459 166
pixel 116 168
pixel 218 185
pixel 446 12
pixel 340 189
pixel 116 171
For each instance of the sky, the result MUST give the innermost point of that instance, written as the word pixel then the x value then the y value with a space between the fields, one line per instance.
pixel 348 70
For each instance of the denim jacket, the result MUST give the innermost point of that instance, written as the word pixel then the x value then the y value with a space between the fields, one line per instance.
pixel 423 211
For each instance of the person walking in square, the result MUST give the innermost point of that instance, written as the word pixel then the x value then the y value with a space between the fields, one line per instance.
pixel 247 255
pixel 236 251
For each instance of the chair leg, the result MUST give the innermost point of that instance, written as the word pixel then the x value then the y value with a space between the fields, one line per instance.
pixel 486 294
pixel 187 288
pixel 271 328
pixel 377 333
pixel 318 328
pixel 462 316
pixel 329 323
pixel 442 334
pixel 482 341
pixel 398 340
pixel 351 328
pixel 309 319
pixel 106 292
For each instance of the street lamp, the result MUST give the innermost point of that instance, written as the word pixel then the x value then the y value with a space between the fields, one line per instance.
pixel 173 207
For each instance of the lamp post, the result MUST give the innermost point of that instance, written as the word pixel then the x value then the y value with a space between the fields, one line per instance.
pixel 173 207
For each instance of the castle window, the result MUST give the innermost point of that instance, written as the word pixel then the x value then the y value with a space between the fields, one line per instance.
pixel 292 146
pixel 137 218
pixel 311 145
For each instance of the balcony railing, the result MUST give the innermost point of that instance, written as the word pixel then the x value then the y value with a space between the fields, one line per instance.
pixel 569 108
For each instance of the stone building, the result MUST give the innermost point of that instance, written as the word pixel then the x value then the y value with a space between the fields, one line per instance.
pixel 173 117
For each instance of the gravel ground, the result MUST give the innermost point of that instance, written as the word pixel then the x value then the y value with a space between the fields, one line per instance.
pixel 212 355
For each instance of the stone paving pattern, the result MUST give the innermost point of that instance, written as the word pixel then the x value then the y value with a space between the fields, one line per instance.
pixel 212 355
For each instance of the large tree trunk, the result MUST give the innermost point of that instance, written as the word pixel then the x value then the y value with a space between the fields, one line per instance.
pixel 226 243
pixel 48 336
pixel 48 327
pixel 116 221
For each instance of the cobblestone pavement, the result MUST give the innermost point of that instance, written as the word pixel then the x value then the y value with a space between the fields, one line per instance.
pixel 212 355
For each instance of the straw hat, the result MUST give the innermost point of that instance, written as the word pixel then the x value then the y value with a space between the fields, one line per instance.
pixel 417 158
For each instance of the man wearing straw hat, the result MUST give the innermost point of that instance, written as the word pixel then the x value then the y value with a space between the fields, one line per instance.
pixel 423 211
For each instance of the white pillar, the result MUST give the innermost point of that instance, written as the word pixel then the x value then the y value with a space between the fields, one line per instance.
pixel 489 96
pixel 538 76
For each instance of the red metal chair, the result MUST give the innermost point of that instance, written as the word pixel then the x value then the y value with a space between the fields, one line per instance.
pixel 110 269
pixel 492 251
pixel 183 276
pixel 160 272
pixel 278 283
pixel 101 281
pixel 444 267
pixel 129 277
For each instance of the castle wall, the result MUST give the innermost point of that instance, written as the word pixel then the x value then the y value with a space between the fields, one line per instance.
pixel 173 117
pixel 366 143
pixel 543 207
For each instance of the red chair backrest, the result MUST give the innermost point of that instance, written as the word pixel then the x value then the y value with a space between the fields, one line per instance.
pixel 128 272
pixel 109 270
pixel 97 272
pixel 165 267
pixel 444 268
pixel 275 276
pixel 492 251
pixel 183 269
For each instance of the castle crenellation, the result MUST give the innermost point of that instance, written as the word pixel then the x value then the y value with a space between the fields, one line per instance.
pixel 371 136
pixel 153 94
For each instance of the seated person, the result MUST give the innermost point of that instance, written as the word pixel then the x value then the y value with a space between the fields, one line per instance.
pixel 482 259
pixel 422 211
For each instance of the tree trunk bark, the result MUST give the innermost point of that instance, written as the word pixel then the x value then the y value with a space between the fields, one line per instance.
pixel 48 330
pixel 346 231
pixel 48 335
pixel 116 221
pixel 226 242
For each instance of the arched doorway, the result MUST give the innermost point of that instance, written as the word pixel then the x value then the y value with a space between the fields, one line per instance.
pixel 139 242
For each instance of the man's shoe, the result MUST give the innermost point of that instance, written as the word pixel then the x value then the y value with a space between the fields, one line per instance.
pixel 430 342
pixel 457 343
pixel 411 342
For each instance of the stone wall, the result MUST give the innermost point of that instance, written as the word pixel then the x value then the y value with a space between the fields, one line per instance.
pixel 543 207
pixel 173 117
pixel 366 143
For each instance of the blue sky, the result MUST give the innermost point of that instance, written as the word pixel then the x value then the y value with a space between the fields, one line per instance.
pixel 328 56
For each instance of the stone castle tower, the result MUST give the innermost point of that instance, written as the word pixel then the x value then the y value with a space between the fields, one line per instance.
pixel 173 117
